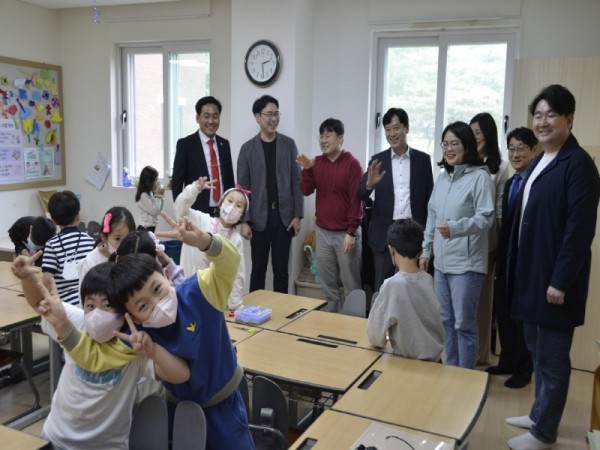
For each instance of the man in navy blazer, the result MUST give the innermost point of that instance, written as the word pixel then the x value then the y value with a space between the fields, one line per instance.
pixel 402 180
pixel 549 259
pixel 192 158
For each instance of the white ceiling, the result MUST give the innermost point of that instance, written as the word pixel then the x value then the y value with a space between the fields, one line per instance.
pixel 59 4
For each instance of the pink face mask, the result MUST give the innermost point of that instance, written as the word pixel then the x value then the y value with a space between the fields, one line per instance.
pixel 100 324
pixel 229 214
pixel 165 311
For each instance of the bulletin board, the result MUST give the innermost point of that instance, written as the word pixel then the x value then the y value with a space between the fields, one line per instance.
pixel 31 125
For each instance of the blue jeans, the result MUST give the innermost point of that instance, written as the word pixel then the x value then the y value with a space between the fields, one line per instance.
pixel 274 239
pixel 552 368
pixel 458 296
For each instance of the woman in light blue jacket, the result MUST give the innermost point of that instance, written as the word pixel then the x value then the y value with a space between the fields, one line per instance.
pixel 460 213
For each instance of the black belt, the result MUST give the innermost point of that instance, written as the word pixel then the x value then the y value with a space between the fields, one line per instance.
pixel 213 211
pixel 274 205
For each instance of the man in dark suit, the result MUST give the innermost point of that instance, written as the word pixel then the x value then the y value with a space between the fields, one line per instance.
pixel 549 259
pixel 514 359
pixel 402 180
pixel 204 154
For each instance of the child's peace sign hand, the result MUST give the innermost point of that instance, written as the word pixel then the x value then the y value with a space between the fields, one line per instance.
pixel 140 341
pixel 23 266
pixel 186 231
pixel 204 183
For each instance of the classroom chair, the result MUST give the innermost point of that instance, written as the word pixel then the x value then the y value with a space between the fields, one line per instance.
pixel 150 425
pixel 17 358
pixel 93 229
pixel 270 415
pixel 189 427
pixel 355 304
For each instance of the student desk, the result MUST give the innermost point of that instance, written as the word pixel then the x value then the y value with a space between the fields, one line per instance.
pixel 18 440
pixel 6 276
pixel 336 430
pixel 425 396
pixel 305 365
pixel 285 307
pixel 17 317
pixel 239 332
pixel 333 327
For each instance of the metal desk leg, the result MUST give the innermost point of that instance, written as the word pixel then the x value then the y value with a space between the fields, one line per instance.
pixel 55 365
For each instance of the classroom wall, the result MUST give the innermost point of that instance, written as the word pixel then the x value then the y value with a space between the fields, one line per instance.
pixel 327 53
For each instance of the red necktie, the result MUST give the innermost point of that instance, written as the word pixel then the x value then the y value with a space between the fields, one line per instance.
pixel 214 171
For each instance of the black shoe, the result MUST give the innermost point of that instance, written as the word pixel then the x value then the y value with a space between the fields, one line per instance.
pixel 517 383
pixel 498 370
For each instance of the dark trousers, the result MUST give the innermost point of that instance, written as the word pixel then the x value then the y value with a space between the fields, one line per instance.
pixel 384 268
pixel 274 239
pixel 513 354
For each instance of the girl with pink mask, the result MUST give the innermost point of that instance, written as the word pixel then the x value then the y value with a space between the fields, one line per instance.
pixel 233 206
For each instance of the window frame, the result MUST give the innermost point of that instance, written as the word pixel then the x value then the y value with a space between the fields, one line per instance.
pixel 443 39
pixel 125 129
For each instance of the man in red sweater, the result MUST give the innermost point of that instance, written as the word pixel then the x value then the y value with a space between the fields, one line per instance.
pixel 335 176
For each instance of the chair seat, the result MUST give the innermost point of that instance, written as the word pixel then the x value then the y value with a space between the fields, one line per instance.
pixel 9 357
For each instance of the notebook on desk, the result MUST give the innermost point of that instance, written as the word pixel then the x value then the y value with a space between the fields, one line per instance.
pixel 382 437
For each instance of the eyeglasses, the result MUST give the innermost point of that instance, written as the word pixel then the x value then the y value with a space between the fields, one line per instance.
pixel 452 144
pixel 272 115
pixel 520 149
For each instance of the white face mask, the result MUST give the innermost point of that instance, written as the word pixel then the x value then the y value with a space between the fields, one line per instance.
pixel 165 311
pixel 32 247
pixel 100 323
pixel 229 214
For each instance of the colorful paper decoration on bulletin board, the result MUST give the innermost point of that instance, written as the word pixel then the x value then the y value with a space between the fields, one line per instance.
pixel 31 125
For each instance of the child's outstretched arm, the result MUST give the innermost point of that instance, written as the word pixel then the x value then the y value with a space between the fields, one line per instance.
pixel 24 268
pixel 215 282
pixel 52 309
pixel 188 195
pixel 167 366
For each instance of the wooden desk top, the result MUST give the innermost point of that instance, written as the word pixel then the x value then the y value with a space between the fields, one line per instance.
pixel 239 332
pixel 304 362
pixel 421 395
pixel 14 310
pixel 333 327
pixel 285 307
pixel 19 440
pixel 6 276
pixel 338 430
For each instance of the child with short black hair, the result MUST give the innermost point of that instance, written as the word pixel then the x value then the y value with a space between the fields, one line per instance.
pixel 149 197
pixel 188 321
pixel 92 409
pixel 30 234
pixel 407 308
pixel 64 252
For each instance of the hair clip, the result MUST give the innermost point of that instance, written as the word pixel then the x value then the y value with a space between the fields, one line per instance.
pixel 106 224
pixel 244 191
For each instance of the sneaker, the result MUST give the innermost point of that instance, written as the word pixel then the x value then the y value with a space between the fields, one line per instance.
pixel 520 421
pixel 528 441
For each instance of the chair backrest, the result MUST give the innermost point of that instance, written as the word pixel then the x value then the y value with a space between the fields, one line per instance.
pixel 189 427
pixel 270 415
pixel 150 425
pixel 93 229
pixel 355 304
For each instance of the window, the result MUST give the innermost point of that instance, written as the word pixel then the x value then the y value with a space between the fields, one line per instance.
pixel 440 79
pixel 160 85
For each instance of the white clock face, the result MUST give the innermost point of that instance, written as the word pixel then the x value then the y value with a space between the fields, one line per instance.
pixel 262 63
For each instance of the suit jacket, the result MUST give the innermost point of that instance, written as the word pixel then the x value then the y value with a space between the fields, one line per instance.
pixel 252 174
pixel 190 164
pixel 421 185
pixel 556 231
pixel 504 235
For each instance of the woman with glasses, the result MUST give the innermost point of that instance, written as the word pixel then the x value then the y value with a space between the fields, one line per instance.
pixel 486 134
pixel 460 214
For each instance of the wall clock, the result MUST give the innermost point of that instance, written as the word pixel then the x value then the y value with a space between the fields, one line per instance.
pixel 262 63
